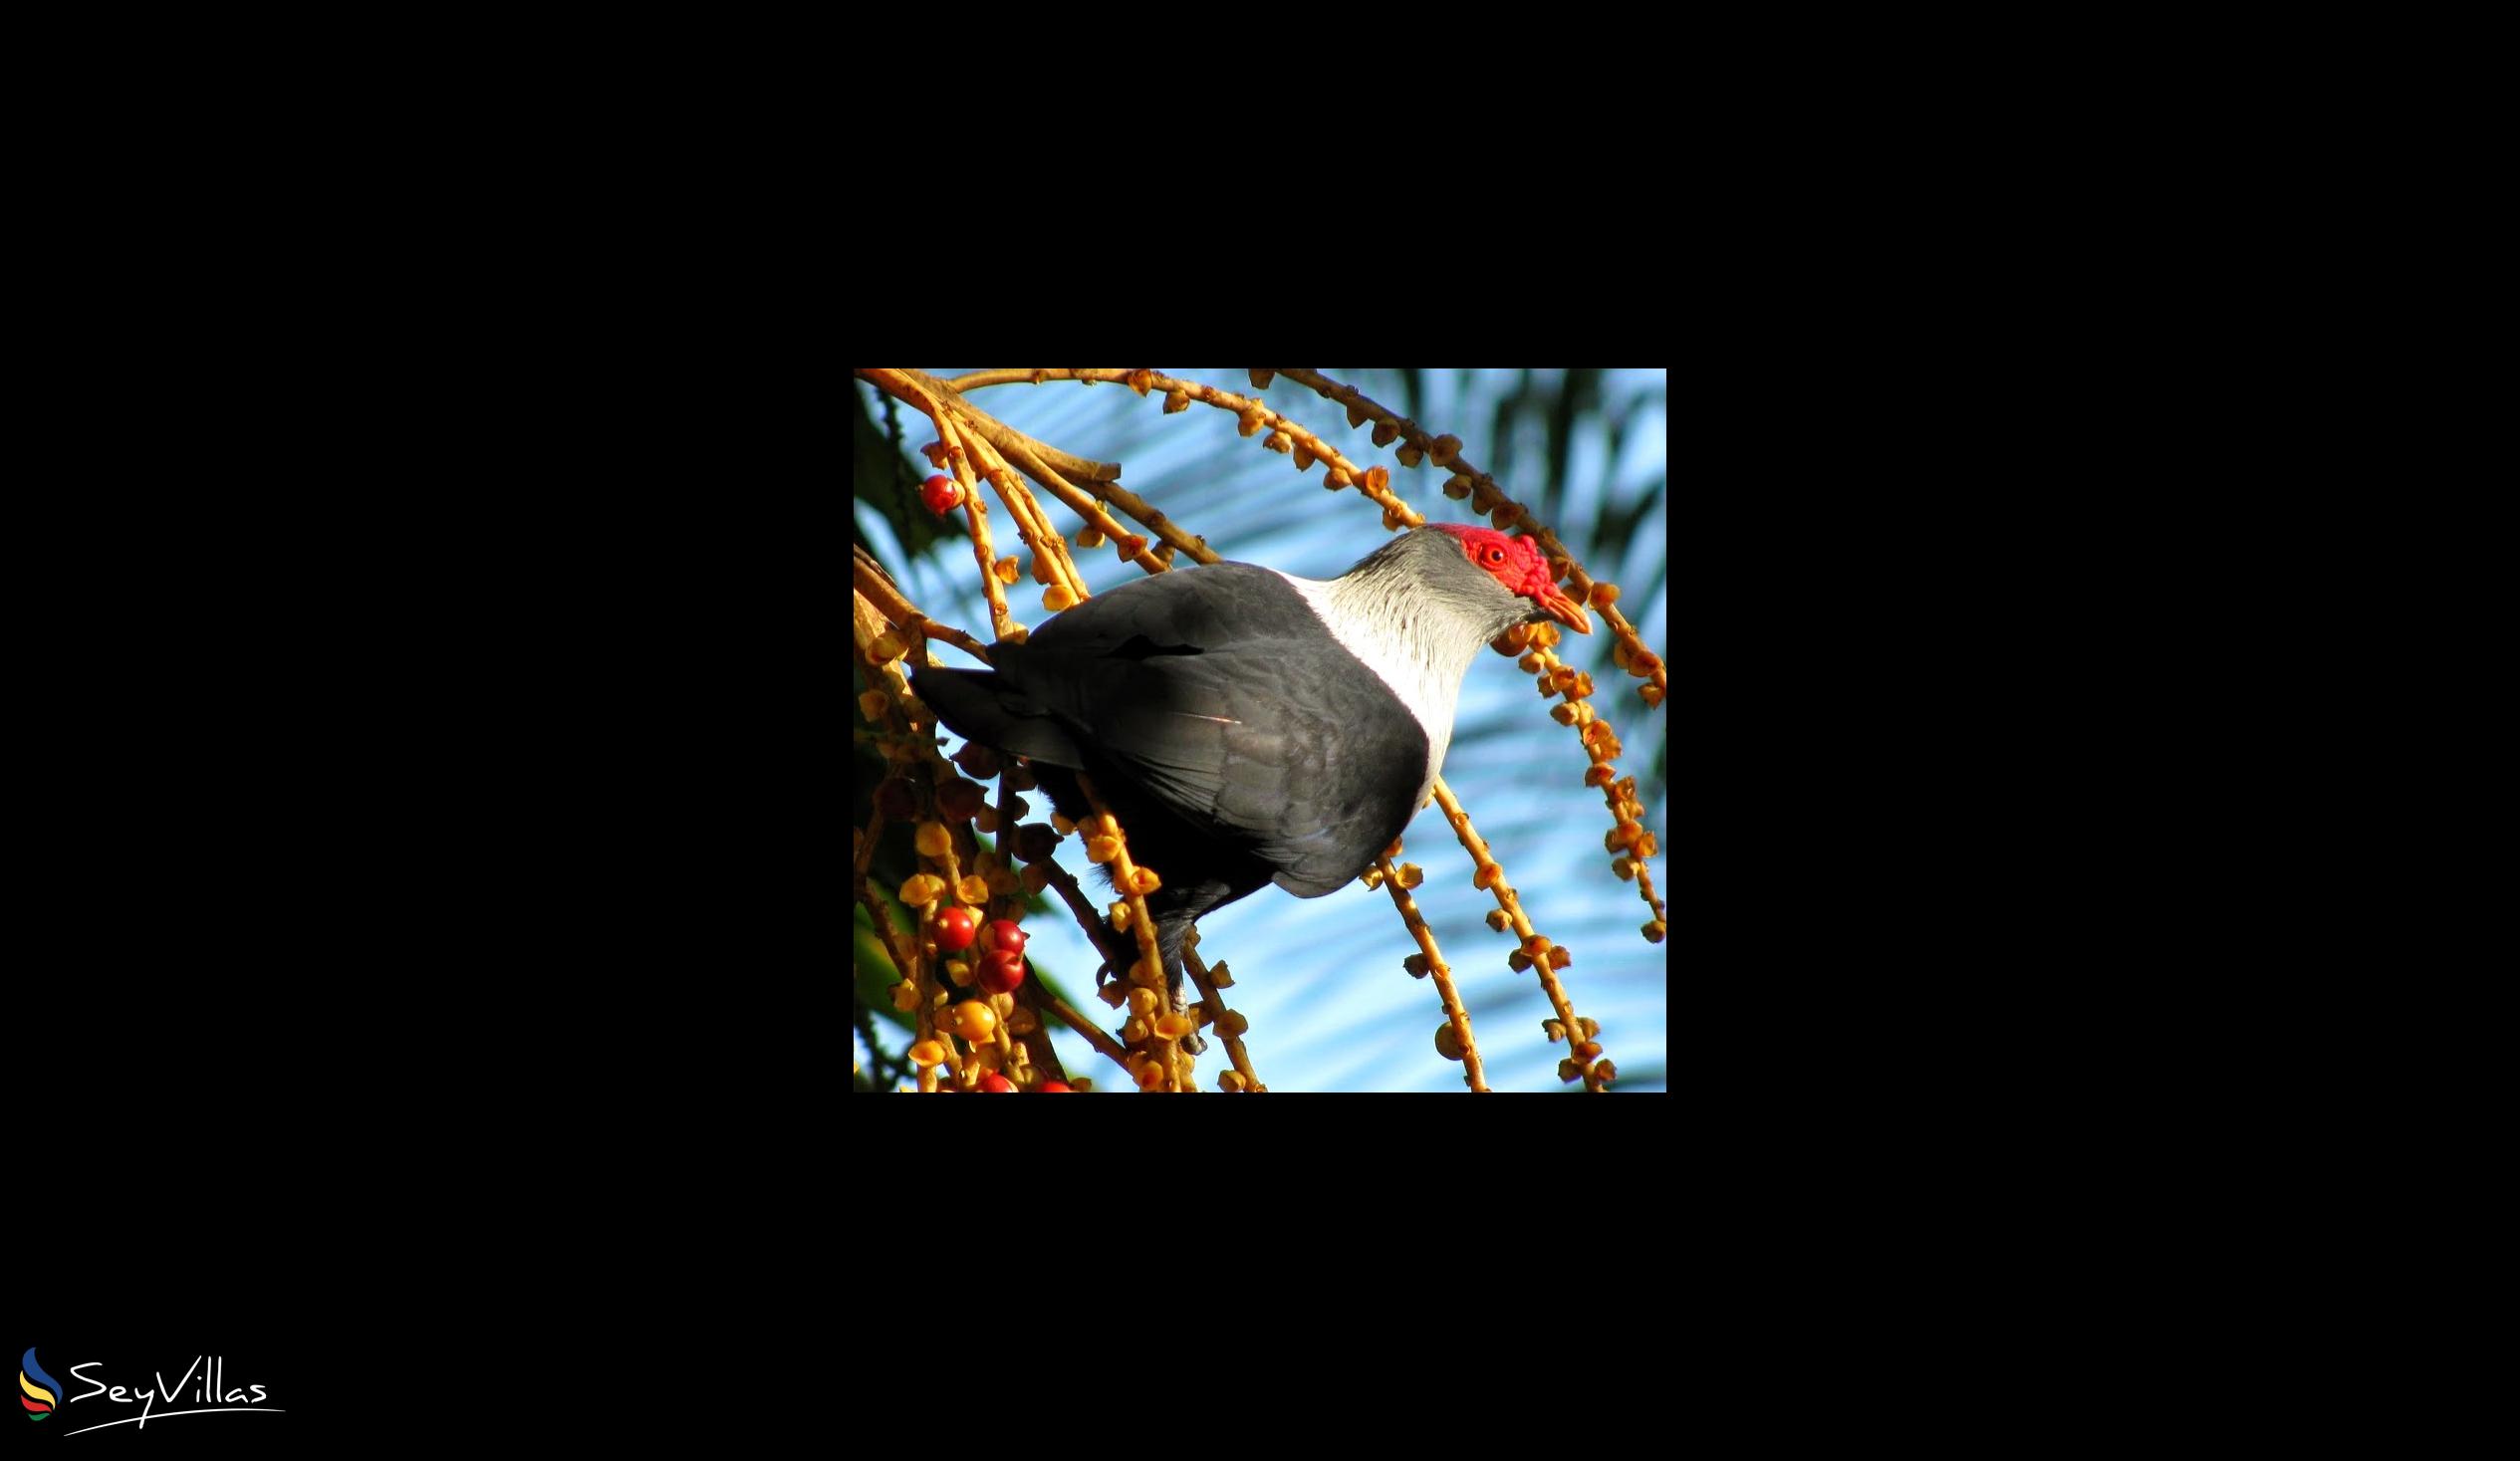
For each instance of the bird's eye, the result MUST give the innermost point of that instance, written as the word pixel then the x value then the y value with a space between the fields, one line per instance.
pixel 1494 555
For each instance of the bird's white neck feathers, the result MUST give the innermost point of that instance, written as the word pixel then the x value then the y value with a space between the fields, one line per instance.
pixel 1414 643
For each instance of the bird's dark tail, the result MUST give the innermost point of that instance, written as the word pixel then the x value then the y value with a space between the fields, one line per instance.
pixel 981 706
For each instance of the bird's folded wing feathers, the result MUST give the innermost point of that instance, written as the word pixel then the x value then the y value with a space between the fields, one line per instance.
pixel 1176 723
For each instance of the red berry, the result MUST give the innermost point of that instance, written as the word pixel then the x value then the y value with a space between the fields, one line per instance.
pixel 954 929
pixel 941 494
pixel 1004 933
pixel 1058 1085
pixel 1001 971
pixel 995 1085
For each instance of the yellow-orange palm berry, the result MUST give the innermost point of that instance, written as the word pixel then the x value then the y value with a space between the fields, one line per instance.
pixel 921 889
pixel 1142 1000
pixel 974 1020
pixel 933 841
pixel 1057 598
pixel 1102 849
pixel 1173 1027
pixel 906 996
pixel 928 1053
pixel 1447 1042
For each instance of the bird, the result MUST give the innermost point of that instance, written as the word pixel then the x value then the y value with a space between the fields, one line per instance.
pixel 1249 727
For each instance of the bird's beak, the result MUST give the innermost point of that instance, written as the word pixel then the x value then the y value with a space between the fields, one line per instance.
pixel 1565 611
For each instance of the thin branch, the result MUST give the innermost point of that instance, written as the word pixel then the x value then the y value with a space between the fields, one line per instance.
pixel 1535 951
pixel 1397 885
pixel 1228 1023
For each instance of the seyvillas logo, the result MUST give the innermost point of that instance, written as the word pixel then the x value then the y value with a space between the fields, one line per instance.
pixel 205 1382
pixel 42 1391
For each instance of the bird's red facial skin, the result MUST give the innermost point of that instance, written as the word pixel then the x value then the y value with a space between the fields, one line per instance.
pixel 1519 565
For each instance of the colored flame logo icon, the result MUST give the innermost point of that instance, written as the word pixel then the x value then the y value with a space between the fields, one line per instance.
pixel 42 1391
